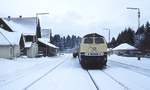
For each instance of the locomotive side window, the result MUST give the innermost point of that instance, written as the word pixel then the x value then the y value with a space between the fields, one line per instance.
pixel 99 40
pixel 88 40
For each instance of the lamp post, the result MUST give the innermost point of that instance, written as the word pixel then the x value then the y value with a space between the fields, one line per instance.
pixel 37 17
pixel 37 14
pixel 108 34
pixel 138 14
pixel 41 14
pixel 108 40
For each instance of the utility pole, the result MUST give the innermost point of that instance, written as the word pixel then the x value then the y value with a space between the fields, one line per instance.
pixel 108 34
pixel 138 14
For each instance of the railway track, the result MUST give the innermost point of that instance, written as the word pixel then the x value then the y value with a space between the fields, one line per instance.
pixel 143 71
pixel 125 87
pixel 35 81
pixel 108 75
pixel 94 82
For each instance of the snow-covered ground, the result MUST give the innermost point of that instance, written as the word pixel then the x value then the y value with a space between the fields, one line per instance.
pixel 21 72
pixel 65 73
pixel 143 63
pixel 68 76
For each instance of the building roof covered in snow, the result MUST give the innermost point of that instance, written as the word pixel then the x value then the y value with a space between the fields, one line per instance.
pixel 124 46
pixel 9 38
pixel 25 25
pixel 46 41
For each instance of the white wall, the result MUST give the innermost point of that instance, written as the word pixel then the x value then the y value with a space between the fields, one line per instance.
pixel 9 52
pixel 5 52
pixel 32 51
pixel 16 51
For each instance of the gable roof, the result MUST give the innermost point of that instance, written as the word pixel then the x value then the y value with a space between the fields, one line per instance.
pixel 46 42
pixel 24 25
pixel 4 25
pixel 124 46
pixel 9 38
pixel 93 35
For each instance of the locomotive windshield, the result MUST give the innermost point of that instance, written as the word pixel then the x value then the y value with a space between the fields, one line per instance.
pixel 88 40
pixel 99 40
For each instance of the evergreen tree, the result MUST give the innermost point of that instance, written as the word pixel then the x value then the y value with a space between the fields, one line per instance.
pixel 51 38
pixel 147 27
pixel 56 40
pixel 113 43
pixel 38 29
pixel 68 42
pixel 126 36
pixel 140 30
pixel 73 41
pixel 130 36
pixel 145 41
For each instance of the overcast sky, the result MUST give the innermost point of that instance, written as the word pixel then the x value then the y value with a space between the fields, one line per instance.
pixel 80 17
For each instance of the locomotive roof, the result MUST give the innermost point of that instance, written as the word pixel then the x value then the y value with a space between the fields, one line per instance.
pixel 93 35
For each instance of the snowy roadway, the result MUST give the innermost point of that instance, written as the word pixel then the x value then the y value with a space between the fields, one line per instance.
pixel 65 73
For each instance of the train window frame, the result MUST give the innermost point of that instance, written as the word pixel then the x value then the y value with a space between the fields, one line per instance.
pixel 101 40
pixel 88 42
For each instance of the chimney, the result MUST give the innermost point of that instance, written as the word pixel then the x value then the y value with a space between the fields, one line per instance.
pixel 20 16
pixel 50 36
pixel 9 17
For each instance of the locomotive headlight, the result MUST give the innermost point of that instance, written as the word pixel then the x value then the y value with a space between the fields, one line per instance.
pixel 101 54
pixel 82 53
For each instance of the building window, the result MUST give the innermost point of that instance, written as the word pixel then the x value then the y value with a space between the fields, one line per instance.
pixel 1 25
pixel 28 38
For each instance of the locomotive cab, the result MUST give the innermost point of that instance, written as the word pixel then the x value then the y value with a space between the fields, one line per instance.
pixel 93 51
